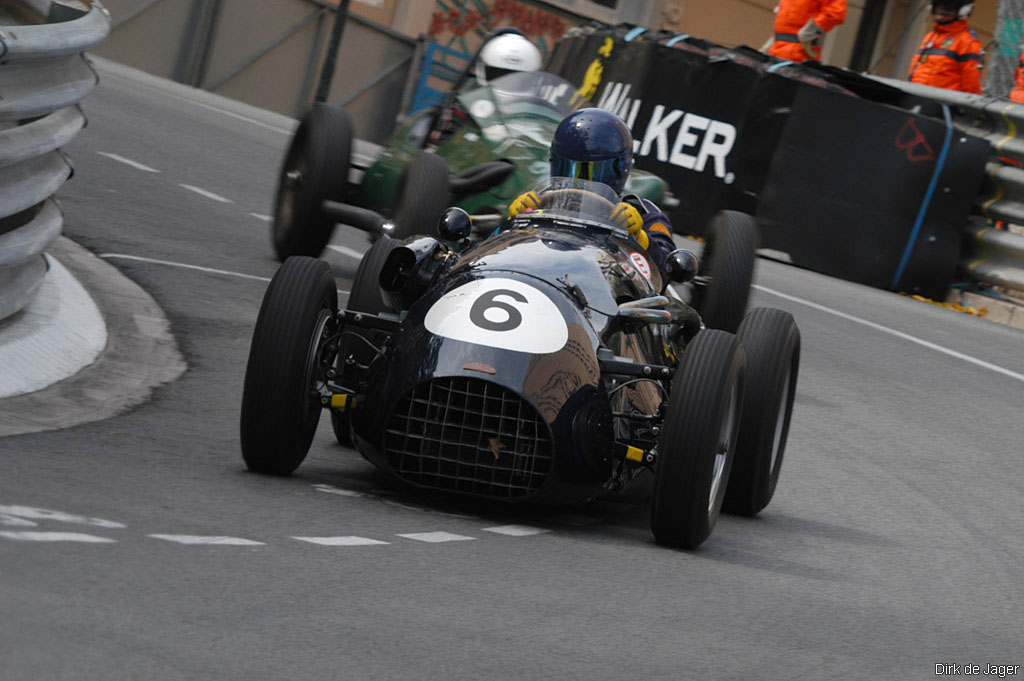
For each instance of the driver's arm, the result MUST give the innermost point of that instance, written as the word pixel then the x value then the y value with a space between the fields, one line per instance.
pixel 656 227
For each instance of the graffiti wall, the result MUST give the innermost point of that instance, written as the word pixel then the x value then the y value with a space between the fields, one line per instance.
pixel 462 24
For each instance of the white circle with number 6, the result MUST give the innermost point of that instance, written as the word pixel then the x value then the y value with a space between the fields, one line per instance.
pixel 500 313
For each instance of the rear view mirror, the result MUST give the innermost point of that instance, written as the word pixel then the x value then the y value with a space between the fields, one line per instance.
pixel 454 225
pixel 681 266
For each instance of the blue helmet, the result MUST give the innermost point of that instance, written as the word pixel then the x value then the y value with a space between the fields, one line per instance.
pixel 593 144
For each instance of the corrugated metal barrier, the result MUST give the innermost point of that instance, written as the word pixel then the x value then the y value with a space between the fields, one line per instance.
pixel 991 255
pixel 43 76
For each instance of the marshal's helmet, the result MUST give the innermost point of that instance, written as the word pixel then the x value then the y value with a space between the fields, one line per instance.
pixel 593 144
pixel 962 8
pixel 506 54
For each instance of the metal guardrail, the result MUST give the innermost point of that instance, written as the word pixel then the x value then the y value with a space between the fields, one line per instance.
pixel 991 255
pixel 43 76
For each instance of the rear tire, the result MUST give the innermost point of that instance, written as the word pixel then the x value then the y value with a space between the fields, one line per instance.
pixel 280 408
pixel 423 194
pixel 315 169
pixel 771 340
pixel 366 296
pixel 729 262
pixel 699 440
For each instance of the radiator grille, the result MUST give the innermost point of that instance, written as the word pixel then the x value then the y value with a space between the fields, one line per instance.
pixel 468 435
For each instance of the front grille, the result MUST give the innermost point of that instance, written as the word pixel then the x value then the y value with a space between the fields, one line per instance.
pixel 468 435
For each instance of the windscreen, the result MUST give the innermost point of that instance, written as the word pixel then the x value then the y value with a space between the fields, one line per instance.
pixel 571 197
pixel 535 93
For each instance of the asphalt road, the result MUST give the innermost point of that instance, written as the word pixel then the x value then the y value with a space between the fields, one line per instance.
pixel 893 543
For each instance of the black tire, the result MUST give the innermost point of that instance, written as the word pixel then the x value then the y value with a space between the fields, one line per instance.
pixel 728 261
pixel 365 296
pixel 280 411
pixel 315 169
pixel 771 340
pixel 699 440
pixel 423 194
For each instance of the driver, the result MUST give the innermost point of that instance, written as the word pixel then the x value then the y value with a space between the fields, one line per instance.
pixel 596 145
pixel 501 55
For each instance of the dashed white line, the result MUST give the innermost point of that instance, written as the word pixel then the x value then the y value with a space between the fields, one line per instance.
pixel 198 539
pixel 345 250
pixel 128 162
pixel 436 537
pixel 898 334
pixel 30 513
pixel 260 216
pixel 516 530
pixel 168 263
pixel 341 541
pixel 58 536
pixel 207 194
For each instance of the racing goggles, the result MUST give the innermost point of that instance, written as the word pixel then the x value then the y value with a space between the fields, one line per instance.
pixel 611 171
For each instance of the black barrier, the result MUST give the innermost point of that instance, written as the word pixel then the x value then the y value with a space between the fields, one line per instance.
pixel 846 176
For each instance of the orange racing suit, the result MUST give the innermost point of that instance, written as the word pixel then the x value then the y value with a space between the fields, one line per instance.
pixel 950 57
pixel 792 15
pixel 1017 93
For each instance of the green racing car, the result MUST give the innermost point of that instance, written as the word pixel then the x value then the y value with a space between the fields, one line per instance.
pixel 478 150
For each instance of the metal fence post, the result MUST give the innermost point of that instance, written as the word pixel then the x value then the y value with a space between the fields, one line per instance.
pixel 1003 61
pixel 331 59
pixel 197 42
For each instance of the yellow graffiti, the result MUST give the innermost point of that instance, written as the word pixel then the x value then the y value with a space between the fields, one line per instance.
pixel 593 76
pixel 590 82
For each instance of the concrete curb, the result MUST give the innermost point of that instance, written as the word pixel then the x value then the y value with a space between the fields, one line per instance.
pixel 140 354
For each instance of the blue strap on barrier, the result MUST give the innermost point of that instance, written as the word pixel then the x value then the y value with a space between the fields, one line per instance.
pixel 774 67
pixel 676 39
pixel 635 33
pixel 927 199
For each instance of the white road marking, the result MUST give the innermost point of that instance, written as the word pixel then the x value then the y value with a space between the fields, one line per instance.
pixel 203 192
pixel 330 489
pixel 898 334
pixel 168 263
pixel 260 216
pixel 341 541
pixel 30 513
pixel 436 537
pixel 154 261
pixel 196 539
pixel 345 250
pixel 13 521
pixel 135 83
pixel 516 530
pixel 58 536
pixel 128 162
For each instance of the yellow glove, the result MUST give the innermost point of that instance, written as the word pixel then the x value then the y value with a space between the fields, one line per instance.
pixel 527 200
pixel 627 216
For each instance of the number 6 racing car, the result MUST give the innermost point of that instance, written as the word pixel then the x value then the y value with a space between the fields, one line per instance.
pixel 550 361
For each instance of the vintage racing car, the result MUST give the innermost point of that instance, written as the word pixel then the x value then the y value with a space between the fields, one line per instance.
pixel 550 361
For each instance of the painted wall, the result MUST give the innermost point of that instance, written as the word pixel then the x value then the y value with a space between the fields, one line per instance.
pixel 461 24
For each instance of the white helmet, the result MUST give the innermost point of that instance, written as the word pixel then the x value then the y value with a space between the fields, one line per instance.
pixel 504 54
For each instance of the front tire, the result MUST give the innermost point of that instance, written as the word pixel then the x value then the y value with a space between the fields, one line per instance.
pixel 771 340
pixel 315 169
pixel 728 261
pixel 699 440
pixel 423 193
pixel 280 401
